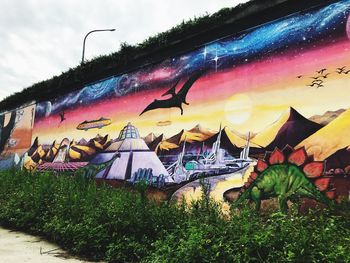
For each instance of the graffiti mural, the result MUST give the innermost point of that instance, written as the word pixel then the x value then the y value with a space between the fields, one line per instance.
pixel 275 94
pixel 16 135
pixel 288 175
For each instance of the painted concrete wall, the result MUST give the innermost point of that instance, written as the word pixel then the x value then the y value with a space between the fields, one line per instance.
pixel 277 92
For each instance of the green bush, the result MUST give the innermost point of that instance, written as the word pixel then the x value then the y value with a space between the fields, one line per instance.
pixel 116 225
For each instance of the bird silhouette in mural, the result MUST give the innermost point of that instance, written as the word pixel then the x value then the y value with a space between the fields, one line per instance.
pixel 300 76
pixel 177 99
pixel 346 72
pixel 321 71
pixel 326 75
pixel 317 83
pixel 316 77
pixel 62 115
pixel 340 70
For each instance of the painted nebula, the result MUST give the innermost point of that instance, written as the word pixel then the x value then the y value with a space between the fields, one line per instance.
pixel 276 94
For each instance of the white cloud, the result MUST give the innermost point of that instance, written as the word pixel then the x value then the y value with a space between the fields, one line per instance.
pixel 42 38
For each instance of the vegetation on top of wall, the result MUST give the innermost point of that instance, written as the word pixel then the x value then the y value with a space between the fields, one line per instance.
pixel 178 39
pixel 117 225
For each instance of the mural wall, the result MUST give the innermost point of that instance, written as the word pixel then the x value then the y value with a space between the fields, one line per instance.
pixel 277 93
pixel 16 136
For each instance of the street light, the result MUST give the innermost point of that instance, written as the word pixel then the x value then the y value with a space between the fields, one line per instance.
pixel 92 31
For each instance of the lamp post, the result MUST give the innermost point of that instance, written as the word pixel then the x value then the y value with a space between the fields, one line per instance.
pixel 92 31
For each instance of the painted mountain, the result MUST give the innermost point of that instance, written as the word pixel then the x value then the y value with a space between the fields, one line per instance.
pixel 34 146
pixel 196 134
pixel 291 128
pixel 229 141
pixel 339 159
pixel 200 139
pixel 78 151
pixel 204 132
pixel 330 139
pixel 82 142
pixel 149 138
pixel 172 142
pixel 327 117
pixel 51 152
pixel 153 145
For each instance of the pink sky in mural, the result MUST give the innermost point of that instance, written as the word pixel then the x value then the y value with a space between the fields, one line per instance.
pixel 273 73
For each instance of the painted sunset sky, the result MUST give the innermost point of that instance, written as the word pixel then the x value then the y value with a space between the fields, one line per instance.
pixel 248 85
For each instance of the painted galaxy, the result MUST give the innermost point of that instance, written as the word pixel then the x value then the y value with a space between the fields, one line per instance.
pixel 287 37
pixel 250 80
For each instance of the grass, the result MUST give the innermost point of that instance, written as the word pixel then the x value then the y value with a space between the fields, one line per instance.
pixel 116 225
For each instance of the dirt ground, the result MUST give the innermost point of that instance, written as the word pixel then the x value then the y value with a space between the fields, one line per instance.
pixel 19 247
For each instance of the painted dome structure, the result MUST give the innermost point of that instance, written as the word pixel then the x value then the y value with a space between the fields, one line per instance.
pixel 129 132
pixel 134 157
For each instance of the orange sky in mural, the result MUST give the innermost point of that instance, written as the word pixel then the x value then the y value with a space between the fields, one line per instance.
pixel 22 133
pixel 246 98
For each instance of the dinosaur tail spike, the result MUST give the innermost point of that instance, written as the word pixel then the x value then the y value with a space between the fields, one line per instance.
pixel 277 157
pixel 322 183
pixel 252 177
pixel 331 194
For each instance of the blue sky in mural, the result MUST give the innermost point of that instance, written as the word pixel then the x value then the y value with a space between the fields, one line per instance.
pixel 299 30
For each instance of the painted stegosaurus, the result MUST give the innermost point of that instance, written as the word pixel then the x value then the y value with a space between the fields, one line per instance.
pixel 289 174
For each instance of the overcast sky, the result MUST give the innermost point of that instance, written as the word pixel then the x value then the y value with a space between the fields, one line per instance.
pixel 43 38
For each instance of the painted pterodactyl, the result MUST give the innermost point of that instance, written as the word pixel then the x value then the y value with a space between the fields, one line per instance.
pixel 176 99
pixel 62 116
